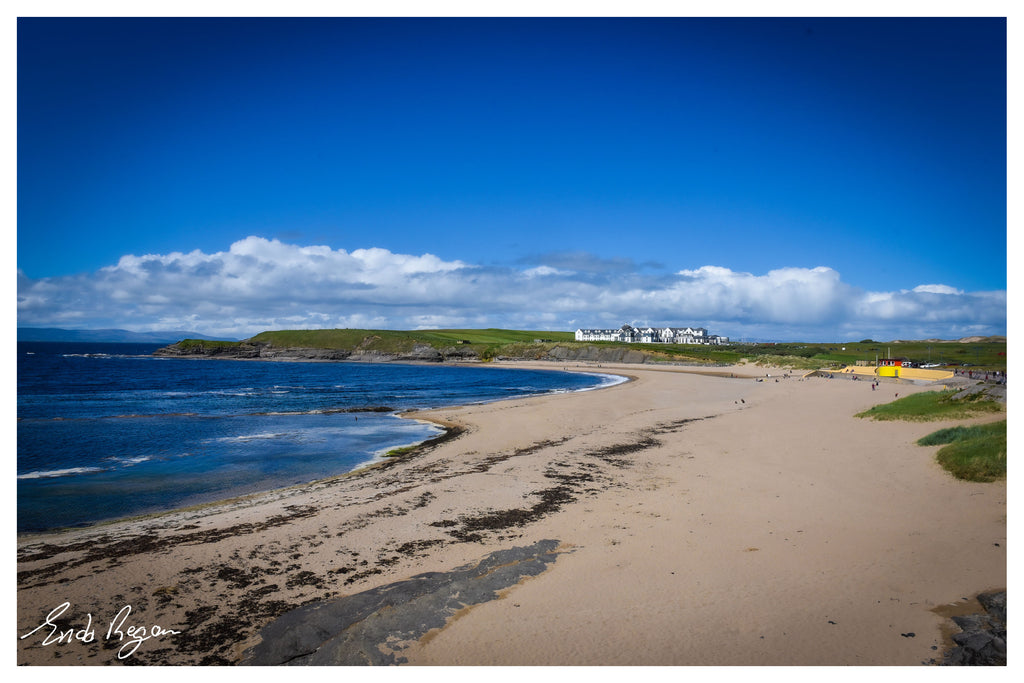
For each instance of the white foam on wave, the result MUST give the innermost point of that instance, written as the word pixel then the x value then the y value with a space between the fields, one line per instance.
pixel 133 461
pixel 380 454
pixel 69 472
pixel 606 380
pixel 254 437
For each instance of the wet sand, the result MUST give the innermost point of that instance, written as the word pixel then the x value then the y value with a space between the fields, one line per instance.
pixel 700 519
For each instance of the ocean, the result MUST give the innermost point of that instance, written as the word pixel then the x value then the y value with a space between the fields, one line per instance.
pixel 107 431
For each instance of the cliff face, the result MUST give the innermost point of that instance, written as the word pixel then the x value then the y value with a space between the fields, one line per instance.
pixel 192 348
pixel 264 351
pixel 599 354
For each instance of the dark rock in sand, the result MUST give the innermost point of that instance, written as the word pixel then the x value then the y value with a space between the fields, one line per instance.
pixel 994 604
pixel 982 640
pixel 369 627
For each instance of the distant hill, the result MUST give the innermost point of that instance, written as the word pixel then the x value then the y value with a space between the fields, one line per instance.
pixel 56 334
pixel 994 339
pixel 987 340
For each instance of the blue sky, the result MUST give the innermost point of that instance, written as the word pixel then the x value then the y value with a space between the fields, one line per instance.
pixel 812 179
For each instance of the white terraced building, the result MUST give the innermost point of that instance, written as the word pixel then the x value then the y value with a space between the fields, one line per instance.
pixel 652 335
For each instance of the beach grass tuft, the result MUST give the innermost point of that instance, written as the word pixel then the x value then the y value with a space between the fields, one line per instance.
pixel 933 405
pixel 973 453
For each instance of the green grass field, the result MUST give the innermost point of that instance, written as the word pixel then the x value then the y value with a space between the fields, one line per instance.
pixel 987 355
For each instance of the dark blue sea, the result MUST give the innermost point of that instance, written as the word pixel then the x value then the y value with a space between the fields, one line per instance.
pixel 107 431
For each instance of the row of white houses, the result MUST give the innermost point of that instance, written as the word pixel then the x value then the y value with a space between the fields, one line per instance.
pixel 652 335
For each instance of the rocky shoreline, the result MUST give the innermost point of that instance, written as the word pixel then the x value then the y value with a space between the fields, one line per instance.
pixel 250 350
pixel 420 353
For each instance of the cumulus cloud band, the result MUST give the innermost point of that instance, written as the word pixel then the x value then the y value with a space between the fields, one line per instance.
pixel 260 284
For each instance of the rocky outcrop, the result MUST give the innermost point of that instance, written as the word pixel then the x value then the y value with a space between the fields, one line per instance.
pixel 598 354
pixel 421 353
pixel 268 352
pixel 191 348
pixel 374 626
pixel 459 353
pixel 982 640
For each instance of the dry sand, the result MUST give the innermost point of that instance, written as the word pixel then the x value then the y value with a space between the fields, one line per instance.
pixel 702 519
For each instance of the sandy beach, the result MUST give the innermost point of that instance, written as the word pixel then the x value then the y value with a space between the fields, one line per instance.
pixel 682 518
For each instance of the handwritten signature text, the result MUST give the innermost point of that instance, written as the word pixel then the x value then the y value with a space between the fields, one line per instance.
pixel 118 630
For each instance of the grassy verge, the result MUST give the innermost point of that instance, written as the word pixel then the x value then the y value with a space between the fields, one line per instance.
pixel 975 453
pixel 972 453
pixel 933 405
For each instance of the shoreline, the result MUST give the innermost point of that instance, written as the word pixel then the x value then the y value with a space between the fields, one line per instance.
pixel 777 507
pixel 378 459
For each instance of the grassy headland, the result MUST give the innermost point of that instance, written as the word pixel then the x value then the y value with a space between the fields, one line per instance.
pixel 488 344
pixel 197 344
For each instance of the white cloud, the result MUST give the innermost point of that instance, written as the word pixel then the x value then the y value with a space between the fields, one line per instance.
pixel 937 289
pixel 786 295
pixel 260 284
pixel 541 271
